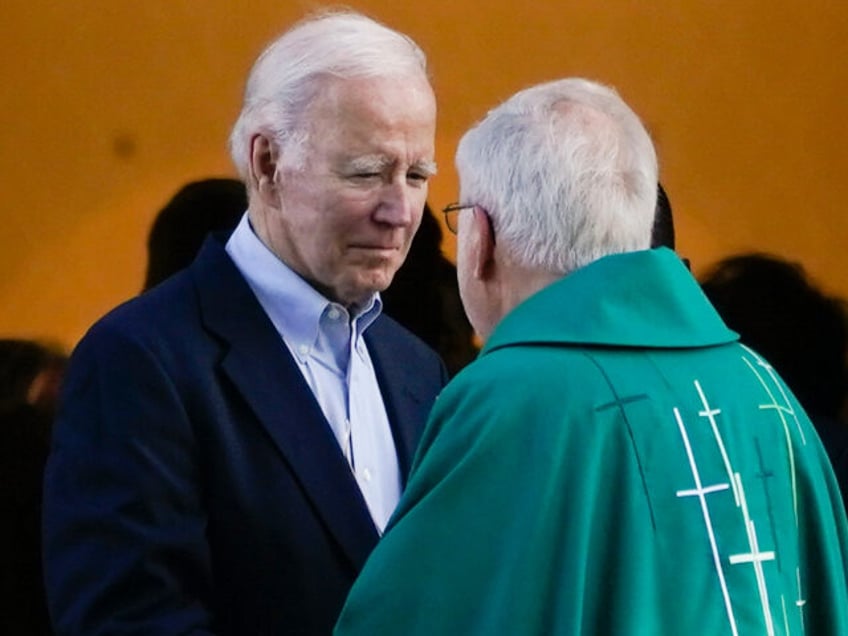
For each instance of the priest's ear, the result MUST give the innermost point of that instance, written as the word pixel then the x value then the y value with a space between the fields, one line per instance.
pixel 482 237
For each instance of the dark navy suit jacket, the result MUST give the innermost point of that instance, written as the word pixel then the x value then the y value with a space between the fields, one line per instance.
pixel 194 486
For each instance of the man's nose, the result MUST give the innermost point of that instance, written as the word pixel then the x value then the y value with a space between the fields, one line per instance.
pixel 397 204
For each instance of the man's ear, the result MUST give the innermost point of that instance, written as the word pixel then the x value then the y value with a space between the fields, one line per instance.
pixel 263 167
pixel 484 245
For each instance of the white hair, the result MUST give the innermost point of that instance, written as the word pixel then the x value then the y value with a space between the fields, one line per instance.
pixel 288 74
pixel 567 172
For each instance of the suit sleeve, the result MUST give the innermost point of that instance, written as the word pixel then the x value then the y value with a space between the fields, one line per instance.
pixel 124 541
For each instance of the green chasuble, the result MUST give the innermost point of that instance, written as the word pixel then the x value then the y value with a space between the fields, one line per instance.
pixel 614 462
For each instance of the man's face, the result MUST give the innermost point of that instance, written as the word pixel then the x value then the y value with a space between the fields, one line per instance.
pixel 347 215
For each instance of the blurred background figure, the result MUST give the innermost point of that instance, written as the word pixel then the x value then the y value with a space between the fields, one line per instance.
pixel 662 234
pixel 424 298
pixel 799 329
pixel 30 375
pixel 198 208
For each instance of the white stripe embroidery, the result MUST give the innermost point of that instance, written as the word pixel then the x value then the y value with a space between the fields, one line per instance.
pixel 700 492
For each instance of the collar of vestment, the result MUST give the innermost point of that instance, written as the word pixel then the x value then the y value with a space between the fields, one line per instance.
pixel 645 299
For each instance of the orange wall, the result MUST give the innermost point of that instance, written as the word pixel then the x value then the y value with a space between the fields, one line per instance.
pixel 108 108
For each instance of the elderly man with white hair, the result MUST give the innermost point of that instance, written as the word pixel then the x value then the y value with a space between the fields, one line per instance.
pixel 232 443
pixel 614 462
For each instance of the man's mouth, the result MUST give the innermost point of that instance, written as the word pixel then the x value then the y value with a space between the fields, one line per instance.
pixel 375 247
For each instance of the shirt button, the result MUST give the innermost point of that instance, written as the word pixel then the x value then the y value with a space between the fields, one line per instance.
pixel 366 475
pixel 303 349
pixel 334 313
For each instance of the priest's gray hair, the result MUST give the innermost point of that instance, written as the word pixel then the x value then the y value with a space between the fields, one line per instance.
pixel 567 173
pixel 290 72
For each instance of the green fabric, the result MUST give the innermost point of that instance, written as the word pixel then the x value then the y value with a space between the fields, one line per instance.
pixel 553 491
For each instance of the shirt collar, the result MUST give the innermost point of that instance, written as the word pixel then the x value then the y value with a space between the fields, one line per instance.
pixel 293 305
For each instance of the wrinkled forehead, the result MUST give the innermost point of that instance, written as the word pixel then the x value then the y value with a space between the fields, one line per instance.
pixel 371 120
pixel 384 103
pixel 414 85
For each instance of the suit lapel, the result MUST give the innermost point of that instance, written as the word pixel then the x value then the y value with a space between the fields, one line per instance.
pixel 261 367
pixel 406 407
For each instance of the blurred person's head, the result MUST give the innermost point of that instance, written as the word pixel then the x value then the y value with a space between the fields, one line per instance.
pixel 335 142
pixel 558 176
pixel 662 233
pixel 30 374
pixel 197 209
pixel 779 312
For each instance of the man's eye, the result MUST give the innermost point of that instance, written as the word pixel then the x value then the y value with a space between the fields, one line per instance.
pixel 417 177
pixel 366 175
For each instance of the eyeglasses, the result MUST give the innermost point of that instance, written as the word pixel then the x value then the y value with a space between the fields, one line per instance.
pixel 451 213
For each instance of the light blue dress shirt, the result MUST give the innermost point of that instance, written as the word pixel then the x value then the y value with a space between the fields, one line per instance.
pixel 325 339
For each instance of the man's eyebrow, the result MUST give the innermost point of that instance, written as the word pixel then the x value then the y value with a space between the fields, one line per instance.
pixel 366 163
pixel 378 163
pixel 427 166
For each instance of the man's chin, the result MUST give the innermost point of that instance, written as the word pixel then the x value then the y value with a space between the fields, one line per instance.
pixel 366 286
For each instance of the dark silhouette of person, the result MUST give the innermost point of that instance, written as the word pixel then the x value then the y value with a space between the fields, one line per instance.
pixel 196 210
pixel 662 233
pixel 30 375
pixel 424 298
pixel 802 331
pixel 23 454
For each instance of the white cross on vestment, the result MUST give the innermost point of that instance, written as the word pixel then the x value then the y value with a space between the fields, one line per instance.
pixel 710 413
pixel 755 557
pixel 700 492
